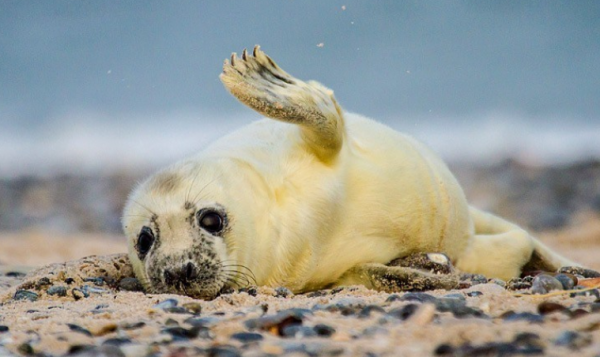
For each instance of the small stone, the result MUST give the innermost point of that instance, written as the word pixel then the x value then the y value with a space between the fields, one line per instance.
pixel 375 330
pixel 57 290
pixel 206 321
pixel 43 282
pixel 79 294
pixel 367 310
pixel 324 330
pixel 548 307
pixel 69 281
pixel 403 312
pixel 474 293
pixel 568 281
pixel 393 297
pixel 25 295
pixel 25 349
pixel 276 323
pixel 176 310
pixel 88 290
pixel 79 329
pixel 297 331
pixel 510 316
pixel 317 293
pixel 474 279
pixel 117 341
pixel 454 296
pixel 133 326
pixel 166 304
pixel 519 283
pixel 97 281
pixel 458 308
pixel 572 339
pixel 180 333
pixel 15 274
pixel 586 273
pixel 420 297
pixel 543 284
pixel 251 290
pixel 593 292
pixel 247 337
pixel 444 350
pixel 283 292
pixel 223 351
pixel 130 284
pixel 194 307
pixel 171 323
pixel 499 282
pixel 3 328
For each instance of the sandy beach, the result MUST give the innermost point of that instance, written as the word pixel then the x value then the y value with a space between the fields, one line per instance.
pixel 87 307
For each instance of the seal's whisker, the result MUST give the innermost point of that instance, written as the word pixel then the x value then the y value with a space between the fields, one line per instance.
pixel 246 276
pixel 249 273
pixel 240 274
pixel 187 194
pixel 144 207
pixel 197 198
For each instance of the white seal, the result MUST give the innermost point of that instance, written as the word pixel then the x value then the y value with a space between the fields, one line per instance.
pixel 316 198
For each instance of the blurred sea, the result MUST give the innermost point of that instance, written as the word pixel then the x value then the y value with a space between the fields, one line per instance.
pixel 88 143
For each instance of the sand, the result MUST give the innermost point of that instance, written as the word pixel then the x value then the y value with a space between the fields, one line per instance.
pixel 127 323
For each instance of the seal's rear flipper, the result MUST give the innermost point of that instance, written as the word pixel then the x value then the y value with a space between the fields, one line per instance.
pixel 259 83
pixel 501 249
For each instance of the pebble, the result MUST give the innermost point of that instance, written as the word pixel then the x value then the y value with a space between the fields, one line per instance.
pixel 165 304
pixel 572 339
pixel 104 351
pixel 177 310
pixel 499 282
pixel 43 282
pixel 69 281
pixel 567 281
pixel 25 295
pixel 403 312
pixel 586 273
pixel 79 294
pixel 223 351
pixel 130 284
pixel 543 284
pixel 206 321
pixel 520 283
pixel 283 292
pixel 297 331
pixel 324 330
pixel 181 333
pixel 548 307
pixel 97 281
pixel 57 290
pixel 252 291
pixel 474 279
pixel 133 326
pixel 454 296
pixel 276 323
pixel 117 341
pixel 88 290
pixel 367 310
pixel 420 297
pixel 510 316
pixel 194 307
pixel 457 307
pixel 26 349
pixel 474 293
pixel 3 328
pixel 593 292
pixel 79 329
pixel 247 337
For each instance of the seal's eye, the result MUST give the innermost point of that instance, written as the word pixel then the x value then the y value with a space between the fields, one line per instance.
pixel 144 242
pixel 211 221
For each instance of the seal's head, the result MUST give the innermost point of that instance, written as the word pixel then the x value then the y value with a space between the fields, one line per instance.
pixel 179 227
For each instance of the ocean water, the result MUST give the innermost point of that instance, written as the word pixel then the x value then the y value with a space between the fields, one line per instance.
pixel 88 143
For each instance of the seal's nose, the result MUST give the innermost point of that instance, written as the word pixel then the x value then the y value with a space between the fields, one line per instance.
pixel 185 275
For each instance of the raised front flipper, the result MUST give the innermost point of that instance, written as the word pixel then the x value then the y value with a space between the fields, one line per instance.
pixel 259 83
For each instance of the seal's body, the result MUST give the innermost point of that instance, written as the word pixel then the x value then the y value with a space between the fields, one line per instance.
pixel 316 199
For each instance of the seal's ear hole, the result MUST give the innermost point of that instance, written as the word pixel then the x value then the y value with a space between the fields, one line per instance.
pixel 144 242
pixel 210 220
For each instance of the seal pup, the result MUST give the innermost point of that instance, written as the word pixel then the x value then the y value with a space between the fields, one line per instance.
pixel 315 198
